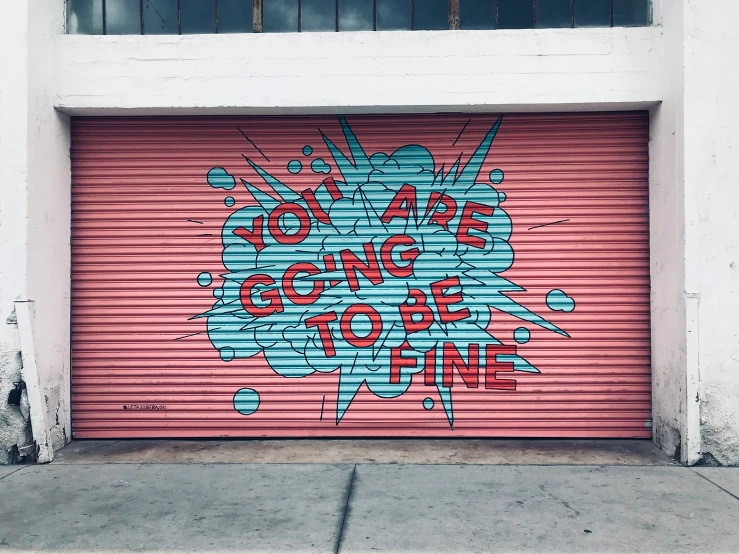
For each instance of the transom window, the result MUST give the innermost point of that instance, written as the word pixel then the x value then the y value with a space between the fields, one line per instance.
pixel 173 17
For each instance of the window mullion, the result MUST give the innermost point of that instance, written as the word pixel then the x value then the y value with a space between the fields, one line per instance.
pixel 572 13
pixel 611 16
pixel 256 16
pixel 454 15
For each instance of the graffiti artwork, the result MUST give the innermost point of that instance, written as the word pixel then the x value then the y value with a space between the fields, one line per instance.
pixel 384 275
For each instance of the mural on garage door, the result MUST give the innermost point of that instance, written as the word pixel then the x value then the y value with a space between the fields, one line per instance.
pixel 389 272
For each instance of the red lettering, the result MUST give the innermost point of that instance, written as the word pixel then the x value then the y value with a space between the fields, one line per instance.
pixel 453 359
pixel 429 371
pixel 492 365
pixel 386 253
pixel 321 321
pixel 346 325
pixel 443 302
pixel 255 235
pixel 397 362
pixel 310 199
pixel 272 296
pixel 289 287
pixel 469 222
pixel 401 205
pixel 450 208
pixel 332 188
pixel 296 210
pixel 330 264
pixel 352 264
pixel 407 311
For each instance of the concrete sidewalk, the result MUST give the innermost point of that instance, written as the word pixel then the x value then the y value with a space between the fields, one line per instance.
pixel 226 508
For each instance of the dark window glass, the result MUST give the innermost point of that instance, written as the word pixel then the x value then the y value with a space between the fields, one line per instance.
pixel 318 15
pixel 431 15
pixel 280 16
pixel 477 14
pixel 160 17
pixel 355 15
pixel 198 16
pixel 553 13
pixel 85 17
pixel 393 15
pixel 592 13
pixel 123 17
pixel 515 14
pixel 631 12
pixel 235 16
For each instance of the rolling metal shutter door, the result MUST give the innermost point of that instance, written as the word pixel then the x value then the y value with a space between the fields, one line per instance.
pixel 543 266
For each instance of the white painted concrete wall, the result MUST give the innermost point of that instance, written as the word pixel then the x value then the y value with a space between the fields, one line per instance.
pixel 712 214
pixel 49 222
pixel 34 215
pixel 385 71
pixel 667 240
pixel 14 427
pixel 666 68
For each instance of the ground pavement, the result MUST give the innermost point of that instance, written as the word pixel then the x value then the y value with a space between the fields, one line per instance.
pixel 129 496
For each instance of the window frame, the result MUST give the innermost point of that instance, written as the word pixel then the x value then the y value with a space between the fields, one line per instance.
pixel 453 13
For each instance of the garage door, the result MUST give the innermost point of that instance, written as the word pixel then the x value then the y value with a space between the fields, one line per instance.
pixel 439 275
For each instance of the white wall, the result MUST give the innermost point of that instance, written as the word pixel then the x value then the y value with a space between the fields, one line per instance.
pixel 14 427
pixel 49 198
pixel 584 69
pixel 678 69
pixel 34 215
pixel 712 214
pixel 332 72
pixel 667 242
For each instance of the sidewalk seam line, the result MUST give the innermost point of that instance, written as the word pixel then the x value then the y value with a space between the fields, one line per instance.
pixel 13 472
pixel 346 509
pixel 735 497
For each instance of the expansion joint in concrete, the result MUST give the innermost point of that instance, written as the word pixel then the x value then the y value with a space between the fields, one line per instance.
pixel 349 489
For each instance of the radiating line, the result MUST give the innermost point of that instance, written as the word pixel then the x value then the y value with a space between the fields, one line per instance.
pixel 194 334
pixel 545 224
pixel 206 235
pixel 252 143
pixel 323 402
pixel 462 131
pixel 195 221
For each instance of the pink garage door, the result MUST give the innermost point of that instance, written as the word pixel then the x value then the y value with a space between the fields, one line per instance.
pixel 420 275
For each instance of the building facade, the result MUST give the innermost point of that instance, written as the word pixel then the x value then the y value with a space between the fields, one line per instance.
pixel 452 218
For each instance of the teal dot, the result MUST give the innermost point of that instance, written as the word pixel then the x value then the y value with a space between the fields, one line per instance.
pixel 294 166
pixel 307 150
pixel 229 201
pixel 218 293
pixel 227 353
pixel 320 166
pixel 522 335
pixel 204 279
pixel 428 403
pixel 246 401
pixel 218 178
pixel 502 196
pixel 558 301
pixel 496 176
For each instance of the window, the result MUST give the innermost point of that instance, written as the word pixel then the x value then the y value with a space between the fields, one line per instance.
pixel 356 15
pixel 122 17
